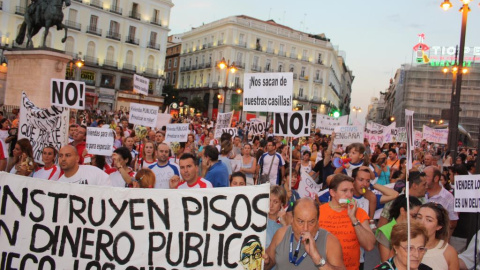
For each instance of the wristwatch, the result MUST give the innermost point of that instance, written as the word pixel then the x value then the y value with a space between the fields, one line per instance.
pixel 356 223
pixel 321 263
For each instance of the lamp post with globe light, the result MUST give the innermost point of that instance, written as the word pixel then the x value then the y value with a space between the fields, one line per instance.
pixel 229 68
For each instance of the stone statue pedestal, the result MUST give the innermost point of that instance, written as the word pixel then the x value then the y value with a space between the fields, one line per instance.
pixel 31 71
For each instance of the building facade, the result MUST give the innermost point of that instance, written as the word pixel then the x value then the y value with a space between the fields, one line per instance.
pixel 322 80
pixel 426 90
pixel 172 60
pixel 375 110
pixel 115 38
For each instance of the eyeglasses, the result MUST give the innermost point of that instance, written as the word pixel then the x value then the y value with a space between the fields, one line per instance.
pixel 420 250
pixel 246 257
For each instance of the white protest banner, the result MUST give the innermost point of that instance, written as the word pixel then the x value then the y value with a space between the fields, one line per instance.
pixel 257 128
pixel 387 132
pixel 163 119
pixel 177 133
pixel 418 138
pixel 224 120
pixel 68 94
pixel 268 92
pixel 374 133
pixel 346 135
pixel 42 127
pixel 231 131
pixel 140 84
pixel 143 115
pixel 292 124
pixel 99 141
pixel 327 124
pixel 435 135
pixel 395 135
pixel 71 226
pixel 307 187
pixel 467 193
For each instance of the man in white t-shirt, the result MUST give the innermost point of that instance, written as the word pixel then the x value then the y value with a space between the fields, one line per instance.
pixel 189 172
pixel 277 170
pixel 163 169
pixel 80 174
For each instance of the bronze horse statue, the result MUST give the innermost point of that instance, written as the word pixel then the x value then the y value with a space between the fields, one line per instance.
pixel 42 13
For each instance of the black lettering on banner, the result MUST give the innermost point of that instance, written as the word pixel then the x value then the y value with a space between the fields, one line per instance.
pixel 227 249
pixel 153 248
pixel 220 249
pixel 102 246
pixel 164 216
pixel 10 257
pixel 52 238
pixel 281 124
pixel 192 248
pixel 12 237
pixel 90 212
pixel 134 214
pixel 234 212
pixel 116 247
pixel 7 193
pixel 298 129
pixel 92 264
pixel 77 212
pixel 118 211
pixel 74 244
pixel 220 212
pixel 27 257
pixel 37 204
pixel 180 248
pixel 205 252
pixel 259 211
pixel 85 243
pixel 56 197
pixel 187 212
pixel 73 100
pixel 107 266
pixel 205 213
pixel 57 92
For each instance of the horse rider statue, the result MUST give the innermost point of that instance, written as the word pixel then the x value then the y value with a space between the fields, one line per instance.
pixel 42 13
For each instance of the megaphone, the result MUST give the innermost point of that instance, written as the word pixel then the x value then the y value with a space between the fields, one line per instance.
pixel 337 162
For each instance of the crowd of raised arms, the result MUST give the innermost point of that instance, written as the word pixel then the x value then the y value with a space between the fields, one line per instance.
pixel 354 200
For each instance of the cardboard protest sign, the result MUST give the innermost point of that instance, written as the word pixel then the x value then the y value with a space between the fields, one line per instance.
pixel 42 127
pixel 292 124
pixel 100 141
pixel 257 128
pixel 231 131
pixel 224 120
pixel 327 124
pixel 346 135
pixel 72 226
pixel 308 187
pixel 140 84
pixel 177 133
pixel 467 193
pixel 143 115
pixel 268 92
pixel 67 94
pixel 435 135
pixel 163 119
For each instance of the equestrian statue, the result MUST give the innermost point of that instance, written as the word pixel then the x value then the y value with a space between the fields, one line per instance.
pixel 42 13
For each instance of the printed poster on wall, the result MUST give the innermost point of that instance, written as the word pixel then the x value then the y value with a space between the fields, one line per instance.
pixel 268 92
pixel 42 127
pixel 72 226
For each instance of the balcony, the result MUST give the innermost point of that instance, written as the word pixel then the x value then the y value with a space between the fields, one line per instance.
pixel 220 42
pixel 295 76
pixel 134 15
pixel 156 21
pixel 256 68
pixel 270 50
pixel 116 9
pixel 204 46
pixel 242 44
pixel 240 65
pixel 19 10
pixel 210 45
pixel 319 80
pixel 258 47
pixel 268 69
pixel 300 97
pixel 94 30
pixel 91 61
pixel 73 25
pixel 284 54
pixel 79 1
pixel 319 61
pixel 132 40
pixel 114 35
pixel 151 72
pixel 208 65
pixel 293 56
pixel 303 78
pixel 153 45
pixel 194 67
pixel 110 63
pixel 96 3
pixel 305 58
pixel 129 67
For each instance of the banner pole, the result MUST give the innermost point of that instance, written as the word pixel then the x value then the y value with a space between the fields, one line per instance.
pixel 290 164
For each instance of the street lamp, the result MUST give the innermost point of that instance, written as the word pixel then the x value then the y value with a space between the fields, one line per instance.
pixel 455 103
pixel 356 110
pixel 232 68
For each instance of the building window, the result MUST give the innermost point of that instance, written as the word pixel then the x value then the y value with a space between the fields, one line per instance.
pixel 169 63
pixel 174 77
pixel 175 62
pixel 300 92
pixel 156 16
pixel 302 73
pixel 168 78
pixel 108 81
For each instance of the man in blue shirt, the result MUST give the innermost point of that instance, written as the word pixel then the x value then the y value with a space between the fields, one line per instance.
pixel 216 170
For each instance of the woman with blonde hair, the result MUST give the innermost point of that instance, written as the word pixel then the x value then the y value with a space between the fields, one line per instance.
pixel 145 178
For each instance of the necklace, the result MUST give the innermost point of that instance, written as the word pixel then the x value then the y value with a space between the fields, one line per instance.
pixel 293 257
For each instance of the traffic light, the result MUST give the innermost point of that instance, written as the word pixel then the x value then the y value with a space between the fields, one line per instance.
pixel 336 114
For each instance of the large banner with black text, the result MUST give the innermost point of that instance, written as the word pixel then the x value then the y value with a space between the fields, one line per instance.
pixel 42 127
pixel 53 225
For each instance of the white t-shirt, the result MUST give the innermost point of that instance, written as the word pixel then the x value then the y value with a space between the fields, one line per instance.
pixel 164 173
pixel 266 160
pixel 88 175
pixel 117 179
pixel 200 183
pixel 52 173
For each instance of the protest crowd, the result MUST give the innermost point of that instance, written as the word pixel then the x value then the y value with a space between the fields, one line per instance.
pixel 335 204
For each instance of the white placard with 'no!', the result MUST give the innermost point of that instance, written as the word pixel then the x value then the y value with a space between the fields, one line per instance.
pixel 144 115
pixel 99 141
pixel 231 131
pixel 268 92
pixel 292 124
pixel 176 133
pixel 467 193
pixel 68 94
pixel 140 84
pixel 346 135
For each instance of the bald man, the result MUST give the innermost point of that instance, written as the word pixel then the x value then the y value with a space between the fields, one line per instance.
pixel 79 174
